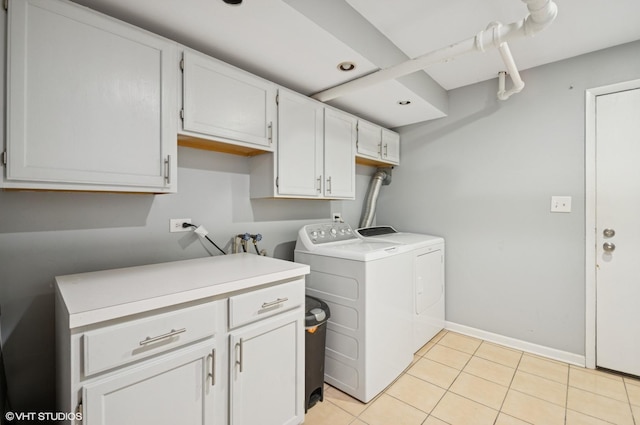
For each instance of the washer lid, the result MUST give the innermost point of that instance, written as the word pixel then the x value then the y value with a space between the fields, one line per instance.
pixel 389 234
pixel 360 250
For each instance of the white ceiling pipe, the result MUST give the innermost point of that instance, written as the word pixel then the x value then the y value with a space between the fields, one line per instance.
pixel 541 14
pixel 518 84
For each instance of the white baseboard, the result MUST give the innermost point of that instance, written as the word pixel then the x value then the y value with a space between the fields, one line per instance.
pixel 540 350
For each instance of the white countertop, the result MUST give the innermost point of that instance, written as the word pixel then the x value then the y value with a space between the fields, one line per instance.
pixel 103 295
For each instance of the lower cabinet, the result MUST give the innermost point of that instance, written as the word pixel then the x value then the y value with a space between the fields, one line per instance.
pixel 267 369
pixel 173 389
pixel 228 359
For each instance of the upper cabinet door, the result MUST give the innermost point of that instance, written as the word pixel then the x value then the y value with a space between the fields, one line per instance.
pixel 226 103
pixel 390 146
pixel 339 154
pixel 90 102
pixel 300 132
pixel 369 140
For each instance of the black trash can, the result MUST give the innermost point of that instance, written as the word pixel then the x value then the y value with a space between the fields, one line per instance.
pixel 316 316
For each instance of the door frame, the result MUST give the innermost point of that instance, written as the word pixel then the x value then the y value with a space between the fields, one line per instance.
pixel 590 212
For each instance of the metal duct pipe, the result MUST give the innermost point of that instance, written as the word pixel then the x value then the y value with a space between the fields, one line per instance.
pixel 541 14
pixel 381 177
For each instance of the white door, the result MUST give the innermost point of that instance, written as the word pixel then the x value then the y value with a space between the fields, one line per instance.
pixel 618 231
pixel 369 140
pixel 175 389
pixel 299 145
pixel 225 102
pixel 90 102
pixel 267 372
pixel 339 154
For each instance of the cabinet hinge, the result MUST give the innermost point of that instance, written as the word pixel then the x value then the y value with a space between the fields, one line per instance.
pixel 277 99
pixel 181 114
pixel 277 181
pixel 182 64
pixel 4 158
pixel 6 4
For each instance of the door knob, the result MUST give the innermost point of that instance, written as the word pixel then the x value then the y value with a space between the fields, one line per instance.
pixel 608 247
pixel 609 233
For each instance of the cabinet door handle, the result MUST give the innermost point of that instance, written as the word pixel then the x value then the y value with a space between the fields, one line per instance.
pixel 167 169
pixel 380 149
pixel 329 185
pixel 320 184
pixel 270 132
pixel 213 367
pixel 386 150
pixel 276 302
pixel 172 332
pixel 240 346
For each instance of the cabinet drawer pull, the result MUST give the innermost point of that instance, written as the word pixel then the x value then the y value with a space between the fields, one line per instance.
pixel 239 361
pixel 276 302
pixel 167 170
pixel 173 332
pixel 213 367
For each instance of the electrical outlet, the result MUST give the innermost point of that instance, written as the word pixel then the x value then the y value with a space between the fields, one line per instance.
pixel 175 225
pixel 561 204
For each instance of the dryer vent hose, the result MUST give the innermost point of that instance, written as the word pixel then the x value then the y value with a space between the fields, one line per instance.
pixel 381 177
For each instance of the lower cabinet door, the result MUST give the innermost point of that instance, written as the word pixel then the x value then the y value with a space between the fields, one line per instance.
pixel 169 390
pixel 267 372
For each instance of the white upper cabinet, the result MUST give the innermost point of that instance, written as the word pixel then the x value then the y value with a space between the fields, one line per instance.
pixel 339 154
pixel 226 104
pixel 377 145
pixel 315 155
pixel 90 102
pixel 300 158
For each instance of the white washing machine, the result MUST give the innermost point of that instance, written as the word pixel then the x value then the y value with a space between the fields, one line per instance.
pixel 367 285
pixel 427 253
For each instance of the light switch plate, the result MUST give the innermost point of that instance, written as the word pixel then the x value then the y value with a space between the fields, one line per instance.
pixel 561 204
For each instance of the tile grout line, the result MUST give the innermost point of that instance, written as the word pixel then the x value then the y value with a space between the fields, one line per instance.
pixel 510 383
pixel 566 399
pixel 626 390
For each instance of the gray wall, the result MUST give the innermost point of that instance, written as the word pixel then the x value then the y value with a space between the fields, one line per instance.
pixel 483 178
pixel 45 234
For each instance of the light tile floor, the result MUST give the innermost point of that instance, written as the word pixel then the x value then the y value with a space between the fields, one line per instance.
pixel 459 380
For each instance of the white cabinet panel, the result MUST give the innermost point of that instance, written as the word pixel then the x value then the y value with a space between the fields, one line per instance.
pixel 225 103
pixel 390 149
pixel 174 389
pixel 369 142
pixel 267 372
pixel 339 154
pixel 299 157
pixel 90 101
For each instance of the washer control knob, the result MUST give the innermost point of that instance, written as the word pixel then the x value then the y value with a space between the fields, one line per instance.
pixel 314 234
pixel 334 232
pixel 322 233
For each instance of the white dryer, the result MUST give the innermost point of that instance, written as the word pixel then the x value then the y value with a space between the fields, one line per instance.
pixel 367 285
pixel 427 253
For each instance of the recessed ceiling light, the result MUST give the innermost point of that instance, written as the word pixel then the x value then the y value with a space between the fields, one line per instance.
pixel 346 66
pixel 404 102
pixel 235 2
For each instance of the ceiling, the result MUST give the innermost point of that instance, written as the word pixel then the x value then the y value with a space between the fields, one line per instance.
pixel 299 43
